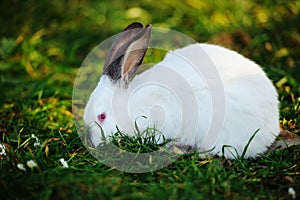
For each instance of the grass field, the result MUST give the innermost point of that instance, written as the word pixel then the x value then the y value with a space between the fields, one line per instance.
pixel 42 45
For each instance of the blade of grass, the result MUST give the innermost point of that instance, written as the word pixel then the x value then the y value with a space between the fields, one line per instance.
pixel 247 145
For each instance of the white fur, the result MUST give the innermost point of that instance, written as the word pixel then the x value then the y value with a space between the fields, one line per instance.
pixel 250 102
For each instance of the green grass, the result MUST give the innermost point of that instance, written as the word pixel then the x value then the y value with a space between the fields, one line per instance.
pixel 42 45
pixel 141 142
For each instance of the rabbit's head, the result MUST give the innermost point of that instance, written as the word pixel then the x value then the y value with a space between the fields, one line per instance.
pixel 125 56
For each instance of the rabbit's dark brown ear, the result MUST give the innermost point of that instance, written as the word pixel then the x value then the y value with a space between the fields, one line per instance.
pixel 127 52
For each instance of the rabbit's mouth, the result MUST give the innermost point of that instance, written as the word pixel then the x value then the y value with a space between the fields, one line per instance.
pixel 89 139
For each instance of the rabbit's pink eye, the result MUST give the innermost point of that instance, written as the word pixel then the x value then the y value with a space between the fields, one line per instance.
pixel 101 117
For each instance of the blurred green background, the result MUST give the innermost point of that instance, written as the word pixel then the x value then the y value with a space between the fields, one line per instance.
pixel 35 35
pixel 42 45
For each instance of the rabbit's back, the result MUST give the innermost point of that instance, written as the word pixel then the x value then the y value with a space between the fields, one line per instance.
pixel 249 99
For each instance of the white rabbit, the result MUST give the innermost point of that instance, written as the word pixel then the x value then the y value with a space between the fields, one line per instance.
pixel 199 112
